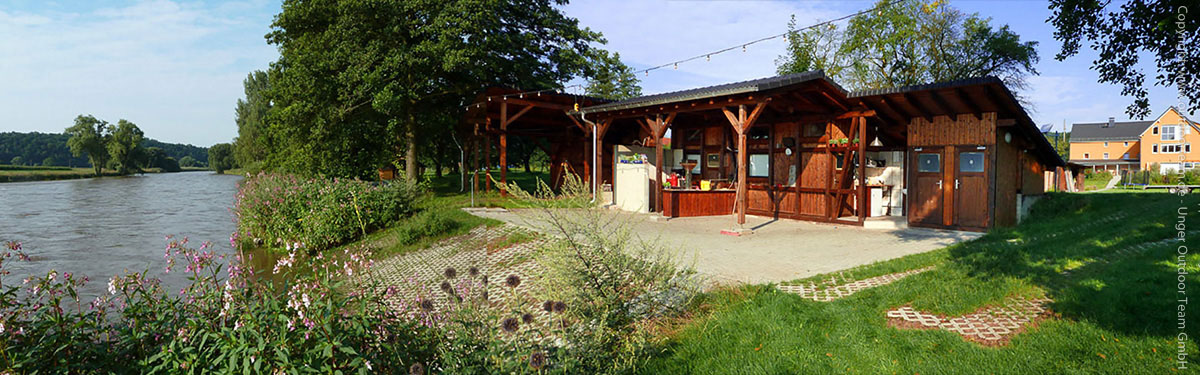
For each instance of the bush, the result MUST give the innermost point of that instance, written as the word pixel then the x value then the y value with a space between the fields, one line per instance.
pixel 272 209
pixel 236 323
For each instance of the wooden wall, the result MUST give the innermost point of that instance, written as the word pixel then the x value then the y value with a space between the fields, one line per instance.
pixel 944 131
pixel 1008 171
pixel 1033 175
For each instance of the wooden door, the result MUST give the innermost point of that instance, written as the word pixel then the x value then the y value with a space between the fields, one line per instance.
pixel 926 194
pixel 971 187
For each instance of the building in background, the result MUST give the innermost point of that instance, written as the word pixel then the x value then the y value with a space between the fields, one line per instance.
pixel 1137 145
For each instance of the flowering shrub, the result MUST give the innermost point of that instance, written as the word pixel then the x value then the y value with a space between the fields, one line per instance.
pixel 226 320
pixel 274 208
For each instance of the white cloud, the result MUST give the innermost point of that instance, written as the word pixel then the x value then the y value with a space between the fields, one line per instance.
pixel 650 33
pixel 174 69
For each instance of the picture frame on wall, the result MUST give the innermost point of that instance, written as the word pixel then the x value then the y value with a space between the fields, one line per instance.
pixel 713 160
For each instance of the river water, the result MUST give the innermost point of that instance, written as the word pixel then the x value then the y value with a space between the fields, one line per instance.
pixel 101 227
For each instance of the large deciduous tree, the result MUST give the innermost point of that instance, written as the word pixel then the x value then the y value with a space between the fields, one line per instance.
pixel 125 147
pixel 611 78
pixel 354 77
pixel 251 117
pixel 1166 30
pixel 89 136
pixel 220 157
pixel 908 42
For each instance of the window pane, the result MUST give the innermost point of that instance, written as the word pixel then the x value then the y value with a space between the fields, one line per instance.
pixel 970 162
pixel 759 165
pixel 929 163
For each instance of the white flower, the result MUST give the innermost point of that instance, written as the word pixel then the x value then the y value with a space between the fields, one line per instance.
pixel 369 365
pixel 112 285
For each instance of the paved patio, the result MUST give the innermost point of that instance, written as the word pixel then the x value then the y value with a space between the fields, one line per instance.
pixel 778 250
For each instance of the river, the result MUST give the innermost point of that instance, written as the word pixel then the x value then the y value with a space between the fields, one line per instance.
pixel 101 227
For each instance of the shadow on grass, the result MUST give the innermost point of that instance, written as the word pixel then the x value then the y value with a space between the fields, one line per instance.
pixel 1119 271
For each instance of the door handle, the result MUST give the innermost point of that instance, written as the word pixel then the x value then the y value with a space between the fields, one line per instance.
pixel 956 184
pixel 939 184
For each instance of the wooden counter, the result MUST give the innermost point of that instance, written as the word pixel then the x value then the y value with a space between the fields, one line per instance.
pixel 685 203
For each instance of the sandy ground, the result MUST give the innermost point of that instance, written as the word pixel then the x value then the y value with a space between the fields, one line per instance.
pixel 778 250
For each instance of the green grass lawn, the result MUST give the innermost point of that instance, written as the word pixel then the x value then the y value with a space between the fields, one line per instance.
pixel 1095 182
pixel 1113 317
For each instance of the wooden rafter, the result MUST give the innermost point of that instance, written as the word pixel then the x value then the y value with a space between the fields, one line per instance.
pixel 924 112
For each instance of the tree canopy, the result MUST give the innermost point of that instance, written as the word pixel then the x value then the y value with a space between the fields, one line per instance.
pixel 220 157
pixel 125 147
pixel 909 43
pixel 250 146
pixel 1162 29
pixel 612 79
pixel 360 83
pixel 89 136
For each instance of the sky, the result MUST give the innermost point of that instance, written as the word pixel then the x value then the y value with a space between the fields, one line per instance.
pixel 175 68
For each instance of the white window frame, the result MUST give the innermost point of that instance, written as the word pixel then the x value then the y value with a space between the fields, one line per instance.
pixel 1085 156
pixel 1126 157
pixel 1154 148
pixel 1126 143
pixel 1187 148
pixel 1175 136
pixel 1105 156
pixel 1105 144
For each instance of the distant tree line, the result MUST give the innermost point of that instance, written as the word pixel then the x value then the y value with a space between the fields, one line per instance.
pixel 120 147
pixel 50 149
pixel 360 85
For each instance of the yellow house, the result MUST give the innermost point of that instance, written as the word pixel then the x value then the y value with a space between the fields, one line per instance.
pixel 1136 145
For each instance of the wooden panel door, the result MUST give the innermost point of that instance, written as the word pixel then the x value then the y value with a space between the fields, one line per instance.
pixel 926 193
pixel 971 187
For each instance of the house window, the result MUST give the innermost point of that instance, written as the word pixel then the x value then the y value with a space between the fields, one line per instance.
pixel 1086 156
pixel 1105 156
pixel 1154 130
pixel 1105 144
pixel 1187 147
pixel 1154 148
pixel 1171 149
pixel 1170 133
pixel 1126 143
pixel 1126 157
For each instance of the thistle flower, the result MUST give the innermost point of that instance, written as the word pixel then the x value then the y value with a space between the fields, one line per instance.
pixel 446 287
pixel 510 325
pixel 427 305
pixel 473 271
pixel 527 318
pixel 548 306
pixel 416 369
pixel 512 281
pixel 450 273
pixel 537 360
pixel 560 307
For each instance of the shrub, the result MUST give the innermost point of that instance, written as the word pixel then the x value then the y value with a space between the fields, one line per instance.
pixel 272 209
pixel 217 324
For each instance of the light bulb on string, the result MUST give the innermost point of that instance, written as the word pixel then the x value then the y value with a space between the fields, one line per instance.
pixel 743 48
pixel 707 57
pixel 676 66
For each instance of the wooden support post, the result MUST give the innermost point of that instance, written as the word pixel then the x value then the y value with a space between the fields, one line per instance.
pixel 741 123
pixel 475 159
pixel 862 170
pixel 600 128
pixel 504 149
pixel 658 128
pixel 487 161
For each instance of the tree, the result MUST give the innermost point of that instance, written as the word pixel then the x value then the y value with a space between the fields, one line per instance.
pixel 611 78
pixel 188 162
pixel 90 136
pixel 154 157
pixel 17 160
pixel 49 161
pixel 125 147
pixel 910 43
pixel 1162 29
pixel 251 116
pixel 220 157
pixel 354 77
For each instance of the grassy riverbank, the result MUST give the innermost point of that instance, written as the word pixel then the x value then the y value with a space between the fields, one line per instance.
pixel 1111 285
pixel 17 173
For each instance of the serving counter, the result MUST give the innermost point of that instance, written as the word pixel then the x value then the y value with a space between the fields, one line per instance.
pixel 695 202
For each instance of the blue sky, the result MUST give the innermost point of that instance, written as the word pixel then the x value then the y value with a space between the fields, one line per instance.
pixel 175 67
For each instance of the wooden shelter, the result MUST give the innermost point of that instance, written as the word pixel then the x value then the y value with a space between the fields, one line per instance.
pixel 801 147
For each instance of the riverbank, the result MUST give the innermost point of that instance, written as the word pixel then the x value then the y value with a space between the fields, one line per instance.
pixel 15 173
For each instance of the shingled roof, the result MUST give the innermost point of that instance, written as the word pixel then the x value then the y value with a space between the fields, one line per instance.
pixel 1101 132
pixel 751 86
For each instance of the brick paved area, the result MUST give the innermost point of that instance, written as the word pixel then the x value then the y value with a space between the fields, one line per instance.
pixel 819 294
pixel 992 326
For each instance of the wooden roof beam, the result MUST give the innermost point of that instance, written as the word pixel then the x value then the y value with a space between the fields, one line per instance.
pixel 912 100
